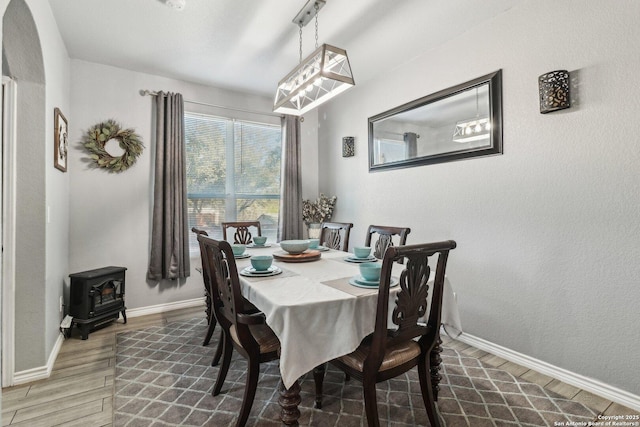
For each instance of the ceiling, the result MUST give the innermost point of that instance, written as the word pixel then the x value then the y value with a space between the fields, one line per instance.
pixel 249 45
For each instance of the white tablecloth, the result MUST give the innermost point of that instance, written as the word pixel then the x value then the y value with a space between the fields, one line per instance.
pixel 315 316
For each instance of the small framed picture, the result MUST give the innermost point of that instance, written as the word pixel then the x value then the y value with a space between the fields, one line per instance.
pixel 60 141
pixel 348 149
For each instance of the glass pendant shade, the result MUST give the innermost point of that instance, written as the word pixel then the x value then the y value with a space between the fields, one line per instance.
pixel 319 77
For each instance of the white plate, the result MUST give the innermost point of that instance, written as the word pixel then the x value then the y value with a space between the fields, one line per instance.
pixel 253 245
pixel 244 255
pixel 360 282
pixel 252 272
pixel 352 258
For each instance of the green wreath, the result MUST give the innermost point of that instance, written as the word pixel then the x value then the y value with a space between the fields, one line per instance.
pixel 96 138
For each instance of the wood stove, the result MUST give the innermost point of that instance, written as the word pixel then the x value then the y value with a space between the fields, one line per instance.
pixel 97 298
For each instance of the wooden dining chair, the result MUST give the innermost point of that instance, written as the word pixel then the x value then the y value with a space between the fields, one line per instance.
pixel 392 350
pixel 246 331
pixel 385 235
pixel 335 235
pixel 211 318
pixel 242 234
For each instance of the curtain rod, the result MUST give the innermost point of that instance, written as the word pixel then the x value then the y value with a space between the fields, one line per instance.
pixel 144 92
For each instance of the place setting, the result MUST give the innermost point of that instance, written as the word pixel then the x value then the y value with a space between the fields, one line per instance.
pixel 239 251
pixel 361 254
pixel 298 251
pixel 261 266
pixel 369 276
pixel 259 242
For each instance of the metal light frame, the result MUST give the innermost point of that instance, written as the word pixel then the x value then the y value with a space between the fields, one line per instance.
pixel 472 129
pixel 318 78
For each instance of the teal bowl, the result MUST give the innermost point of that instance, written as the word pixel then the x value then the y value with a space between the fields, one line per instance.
pixel 294 247
pixel 259 240
pixel 261 262
pixel 371 271
pixel 362 251
pixel 237 249
pixel 314 243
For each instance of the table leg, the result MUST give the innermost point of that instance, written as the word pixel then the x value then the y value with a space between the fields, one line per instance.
pixel 289 401
pixel 436 360
pixel 318 377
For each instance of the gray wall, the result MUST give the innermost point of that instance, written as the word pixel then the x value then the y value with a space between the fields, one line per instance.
pixel 547 256
pixel 36 57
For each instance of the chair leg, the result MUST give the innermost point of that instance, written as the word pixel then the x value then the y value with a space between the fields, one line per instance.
pixel 227 349
pixel 318 378
pixel 249 391
pixel 216 357
pixel 424 374
pixel 212 326
pixel 370 403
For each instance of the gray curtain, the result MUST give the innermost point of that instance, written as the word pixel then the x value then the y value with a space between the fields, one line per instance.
pixel 169 257
pixel 411 144
pixel 290 225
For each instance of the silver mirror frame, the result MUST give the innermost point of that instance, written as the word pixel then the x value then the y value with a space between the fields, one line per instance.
pixel 494 82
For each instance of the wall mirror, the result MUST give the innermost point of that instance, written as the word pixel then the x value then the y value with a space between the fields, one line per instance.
pixel 455 123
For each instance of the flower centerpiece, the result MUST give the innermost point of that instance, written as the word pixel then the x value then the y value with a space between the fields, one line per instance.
pixel 316 212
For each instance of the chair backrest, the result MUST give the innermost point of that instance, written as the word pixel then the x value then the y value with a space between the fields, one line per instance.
pixel 228 302
pixel 335 235
pixel 411 301
pixel 385 238
pixel 199 231
pixel 242 234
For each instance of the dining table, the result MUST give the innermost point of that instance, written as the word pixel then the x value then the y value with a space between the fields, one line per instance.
pixel 317 312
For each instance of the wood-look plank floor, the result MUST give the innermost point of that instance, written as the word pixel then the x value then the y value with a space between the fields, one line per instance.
pixel 80 390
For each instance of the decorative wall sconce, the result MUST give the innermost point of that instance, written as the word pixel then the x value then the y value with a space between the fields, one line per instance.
pixel 348 146
pixel 554 91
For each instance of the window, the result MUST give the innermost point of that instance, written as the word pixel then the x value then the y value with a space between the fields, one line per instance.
pixel 233 173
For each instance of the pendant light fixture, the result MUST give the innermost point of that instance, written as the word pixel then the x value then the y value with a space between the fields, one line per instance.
pixel 319 77
pixel 474 129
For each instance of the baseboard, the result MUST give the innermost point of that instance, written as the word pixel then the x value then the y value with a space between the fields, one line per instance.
pixel 41 372
pixel 585 383
pixel 163 308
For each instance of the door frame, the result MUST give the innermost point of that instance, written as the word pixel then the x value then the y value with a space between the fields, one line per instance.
pixel 8 227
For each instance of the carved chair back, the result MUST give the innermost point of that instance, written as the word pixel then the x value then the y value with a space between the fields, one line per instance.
pixel 242 233
pixel 227 297
pixel 335 235
pixel 411 300
pixel 385 238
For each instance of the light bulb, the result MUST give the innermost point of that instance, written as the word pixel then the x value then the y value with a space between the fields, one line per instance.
pixel 478 128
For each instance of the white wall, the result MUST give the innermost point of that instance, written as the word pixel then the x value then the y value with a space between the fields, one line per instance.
pixel 547 257
pixel 110 213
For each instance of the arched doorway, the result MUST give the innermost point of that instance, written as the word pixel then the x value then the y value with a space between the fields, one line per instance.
pixel 23 62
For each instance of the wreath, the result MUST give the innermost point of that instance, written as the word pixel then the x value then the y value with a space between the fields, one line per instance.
pixel 96 138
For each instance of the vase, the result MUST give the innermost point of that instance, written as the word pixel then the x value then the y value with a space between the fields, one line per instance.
pixel 314 230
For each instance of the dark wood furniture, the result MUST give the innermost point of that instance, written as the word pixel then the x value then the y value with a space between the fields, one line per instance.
pixel 335 235
pixel 97 298
pixel 385 238
pixel 392 350
pixel 211 318
pixel 242 234
pixel 245 331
